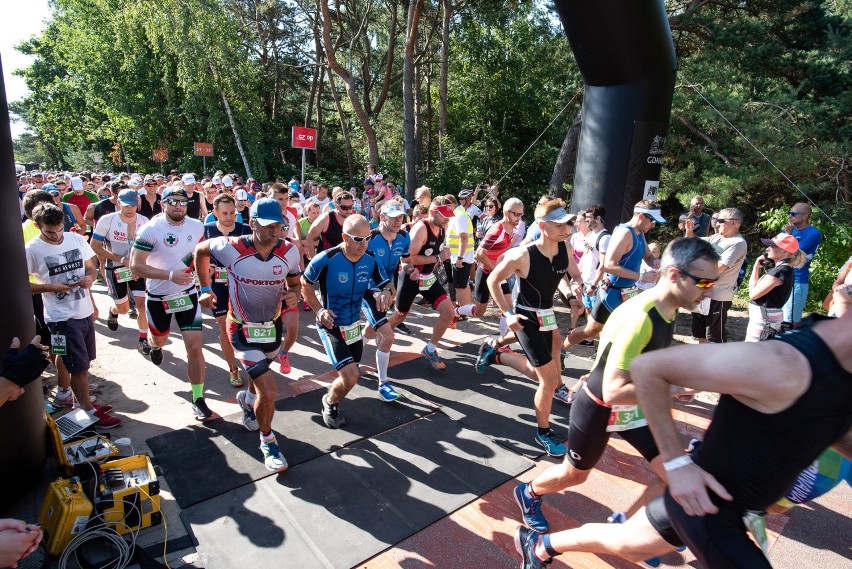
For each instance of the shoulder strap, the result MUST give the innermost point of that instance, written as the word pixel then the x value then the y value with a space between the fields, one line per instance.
pixel 598 240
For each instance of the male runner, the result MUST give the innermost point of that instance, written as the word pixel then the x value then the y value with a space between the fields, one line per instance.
pixel 783 402
pixel 112 239
pixel 390 246
pixel 540 267
pixel 344 273
pixel 607 401
pixel 417 277
pixel 328 227
pixel 225 211
pixel 263 269
pixel 162 254
pixel 622 262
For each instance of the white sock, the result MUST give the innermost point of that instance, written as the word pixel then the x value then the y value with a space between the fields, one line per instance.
pixel 64 393
pixel 466 310
pixel 250 398
pixel 430 347
pixel 268 438
pixel 382 359
pixel 503 326
pixel 92 411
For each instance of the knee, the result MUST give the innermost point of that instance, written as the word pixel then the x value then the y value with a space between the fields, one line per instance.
pixel 386 338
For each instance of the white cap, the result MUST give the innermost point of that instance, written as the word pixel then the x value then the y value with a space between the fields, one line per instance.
pixel 655 214
pixel 217 180
pixel 188 179
pixel 241 195
pixel 227 181
pixel 76 183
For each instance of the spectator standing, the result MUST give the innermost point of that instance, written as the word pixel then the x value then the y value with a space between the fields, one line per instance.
pixel 809 238
pixel 701 220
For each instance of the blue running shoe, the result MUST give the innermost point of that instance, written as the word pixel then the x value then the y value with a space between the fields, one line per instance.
pixel 485 358
pixel 530 509
pixel 433 359
pixel 272 457
pixel 525 541
pixel 551 444
pixel 387 392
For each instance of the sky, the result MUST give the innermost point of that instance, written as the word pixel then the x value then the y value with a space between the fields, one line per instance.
pixel 21 19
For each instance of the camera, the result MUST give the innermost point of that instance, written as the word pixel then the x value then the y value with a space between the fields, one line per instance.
pixel 767 264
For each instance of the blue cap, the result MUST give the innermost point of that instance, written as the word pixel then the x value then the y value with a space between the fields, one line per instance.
pixel 175 192
pixel 50 188
pixel 294 185
pixel 128 197
pixel 267 211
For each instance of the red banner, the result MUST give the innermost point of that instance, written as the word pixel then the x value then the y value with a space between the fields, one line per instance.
pixel 161 154
pixel 304 137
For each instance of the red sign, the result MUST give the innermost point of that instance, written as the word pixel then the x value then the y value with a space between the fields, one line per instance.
pixel 161 154
pixel 304 137
pixel 203 149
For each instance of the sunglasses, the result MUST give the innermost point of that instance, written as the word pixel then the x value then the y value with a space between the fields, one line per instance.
pixel 515 213
pixel 171 201
pixel 345 207
pixel 700 282
pixel 357 238
pixel 491 206
pixel 794 213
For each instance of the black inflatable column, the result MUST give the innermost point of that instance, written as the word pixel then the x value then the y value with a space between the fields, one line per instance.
pixel 625 53
pixel 22 426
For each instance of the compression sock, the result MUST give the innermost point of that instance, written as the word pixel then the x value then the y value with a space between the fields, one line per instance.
pixel 431 348
pixel 543 431
pixel 503 326
pixel 382 359
pixel 143 334
pixel 466 310
pixel 250 398
pixel 197 390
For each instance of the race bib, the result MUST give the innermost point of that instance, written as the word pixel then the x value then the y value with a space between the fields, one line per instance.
pixel 546 319
pixel 123 274
pixel 625 418
pixel 177 303
pixel 629 293
pixel 259 332
pixel 351 333
pixel 57 345
pixel 426 281
pixel 756 524
pixel 220 276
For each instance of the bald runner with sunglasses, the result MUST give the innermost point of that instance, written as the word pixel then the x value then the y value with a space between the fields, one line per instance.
pixel 607 402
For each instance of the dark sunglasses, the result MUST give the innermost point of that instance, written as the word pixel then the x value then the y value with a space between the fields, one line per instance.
pixel 357 238
pixel 491 206
pixel 794 213
pixel 171 201
pixel 699 281
pixel 346 207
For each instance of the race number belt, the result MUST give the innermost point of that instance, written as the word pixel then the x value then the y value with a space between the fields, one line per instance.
pixel 179 302
pixel 426 281
pixel 628 293
pixel 123 274
pixel 351 333
pixel 259 332
pixel 546 317
pixel 220 275
pixel 625 418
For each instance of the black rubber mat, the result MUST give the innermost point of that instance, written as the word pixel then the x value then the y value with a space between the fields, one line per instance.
pixel 345 507
pixel 208 459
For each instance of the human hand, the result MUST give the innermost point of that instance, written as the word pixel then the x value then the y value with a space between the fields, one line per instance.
pixel 16 544
pixel 514 321
pixel 688 486
pixel 21 367
pixel 444 254
pixel 207 300
pixel 414 274
pixel 383 300
pixel 326 318
pixel 184 277
pixel 290 299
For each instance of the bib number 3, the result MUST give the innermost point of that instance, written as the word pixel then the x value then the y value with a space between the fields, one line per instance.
pixel 625 418
pixel 177 303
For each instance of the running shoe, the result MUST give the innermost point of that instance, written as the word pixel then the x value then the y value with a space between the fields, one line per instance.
pixel 201 410
pixel 433 359
pixel 487 351
pixel 249 418
pixel 331 414
pixel 306 307
pixel 234 378
pixel 551 443
pixel 272 457
pixel 284 363
pixel 563 394
pixel 525 542
pixel 156 356
pixel 63 402
pixel 505 349
pixel 403 328
pixel 112 321
pixel 530 509
pixel 387 392
pixel 106 421
pixel 144 347
pixel 453 323
pixel 102 408
pixel 133 313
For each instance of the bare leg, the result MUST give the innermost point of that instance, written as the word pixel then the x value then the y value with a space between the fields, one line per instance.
pixel 346 380
pixel 195 358
pixel 264 405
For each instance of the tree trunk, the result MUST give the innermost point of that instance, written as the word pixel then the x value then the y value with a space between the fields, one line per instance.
pixel 442 80
pixel 233 123
pixel 429 116
pixel 418 120
pixel 389 64
pixel 567 159
pixel 349 156
pixel 349 81
pixel 414 7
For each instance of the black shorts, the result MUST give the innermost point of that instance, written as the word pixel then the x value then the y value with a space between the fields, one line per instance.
pixel 79 342
pixel 339 352
pixel 222 298
pixel 719 540
pixel 713 327
pixel 118 291
pixel 481 294
pixel 407 291
pixel 160 321
pixel 537 345
pixel 254 356
pixel 376 318
pixel 460 277
pixel 589 437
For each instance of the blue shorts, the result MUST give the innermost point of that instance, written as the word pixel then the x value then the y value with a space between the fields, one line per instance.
pixel 588 301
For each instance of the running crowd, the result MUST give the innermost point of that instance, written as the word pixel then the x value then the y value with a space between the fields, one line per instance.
pixel 255 254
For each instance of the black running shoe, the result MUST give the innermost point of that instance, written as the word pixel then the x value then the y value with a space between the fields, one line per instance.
pixel 157 355
pixel 403 328
pixel 201 410
pixel 331 414
pixel 112 322
pixel 145 348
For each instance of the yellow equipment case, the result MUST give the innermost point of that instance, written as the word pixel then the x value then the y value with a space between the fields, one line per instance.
pixel 128 497
pixel 64 514
pixel 79 450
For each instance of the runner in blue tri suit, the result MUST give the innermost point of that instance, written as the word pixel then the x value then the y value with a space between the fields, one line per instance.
pixel 389 245
pixel 344 273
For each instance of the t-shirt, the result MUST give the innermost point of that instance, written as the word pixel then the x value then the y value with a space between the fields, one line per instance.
pixel 82 201
pixel 112 231
pixel 809 239
pixel 316 200
pixel 62 263
pixel 170 247
pixel 702 223
pixel 304 227
pixel 212 218
pixel 496 242
pixel 732 251
pixel 458 225
pixel 777 297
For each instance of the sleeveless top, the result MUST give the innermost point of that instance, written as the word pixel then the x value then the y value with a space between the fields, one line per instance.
pixel 431 247
pixel 333 234
pixel 538 288
pixel 632 260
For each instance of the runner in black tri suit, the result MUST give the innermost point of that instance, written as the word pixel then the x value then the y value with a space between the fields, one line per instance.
pixel 427 240
pixel 783 402
pixel 149 202
pixel 540 267
pixel 328 227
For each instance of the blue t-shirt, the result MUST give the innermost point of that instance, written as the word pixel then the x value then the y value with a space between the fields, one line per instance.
pixel 343 283
pixel 389 254
pixel 809 239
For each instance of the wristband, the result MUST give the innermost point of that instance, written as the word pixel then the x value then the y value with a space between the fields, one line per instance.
pixel 205 289
pixel 679 462
pixel 171 273
pixel 510 312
